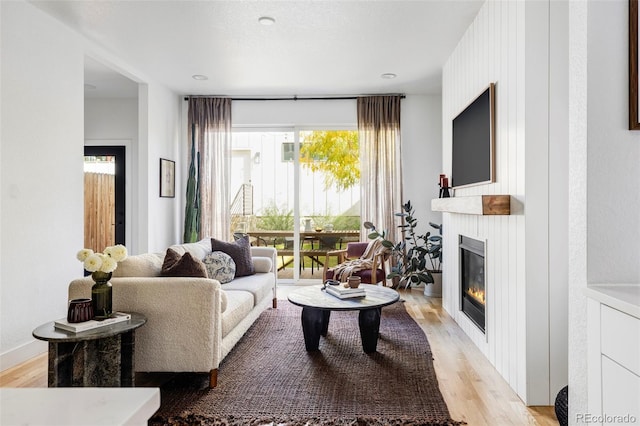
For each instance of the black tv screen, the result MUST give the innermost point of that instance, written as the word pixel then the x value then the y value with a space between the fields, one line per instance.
pixel 473 142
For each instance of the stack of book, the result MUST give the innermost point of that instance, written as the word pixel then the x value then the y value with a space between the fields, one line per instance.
pixel 345 292
pixel 77 327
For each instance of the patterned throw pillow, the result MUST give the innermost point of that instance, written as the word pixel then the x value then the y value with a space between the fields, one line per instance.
pixel 220 266
pixel 240 252
pixel 186 265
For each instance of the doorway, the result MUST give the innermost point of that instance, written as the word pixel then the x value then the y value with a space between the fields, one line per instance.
pixel 304 192
pixel 104 196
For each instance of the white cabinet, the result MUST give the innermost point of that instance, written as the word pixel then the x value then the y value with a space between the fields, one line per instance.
pixel 620 392
pixel 613 360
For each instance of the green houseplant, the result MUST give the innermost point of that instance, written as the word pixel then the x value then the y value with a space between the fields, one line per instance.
pixel 434 247
pixel 412 253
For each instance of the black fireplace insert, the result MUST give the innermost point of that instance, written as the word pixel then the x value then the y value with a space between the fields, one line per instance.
pixel 472 275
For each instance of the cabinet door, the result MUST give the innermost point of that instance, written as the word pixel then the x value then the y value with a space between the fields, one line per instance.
pixel 620 393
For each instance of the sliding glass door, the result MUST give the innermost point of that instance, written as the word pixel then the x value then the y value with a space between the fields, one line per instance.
pixel 297 190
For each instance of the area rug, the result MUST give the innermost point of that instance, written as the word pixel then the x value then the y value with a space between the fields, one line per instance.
pixel 270 379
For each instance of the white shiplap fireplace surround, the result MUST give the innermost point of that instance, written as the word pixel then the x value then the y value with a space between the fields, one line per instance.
pixel 520 47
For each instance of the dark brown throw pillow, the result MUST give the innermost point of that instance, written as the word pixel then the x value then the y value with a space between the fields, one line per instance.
pixel 186 265
pixel 240 252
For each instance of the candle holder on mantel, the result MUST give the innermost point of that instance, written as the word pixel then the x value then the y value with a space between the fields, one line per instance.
pixel 444 186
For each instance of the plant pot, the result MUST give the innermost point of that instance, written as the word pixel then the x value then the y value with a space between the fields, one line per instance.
pixel 434 289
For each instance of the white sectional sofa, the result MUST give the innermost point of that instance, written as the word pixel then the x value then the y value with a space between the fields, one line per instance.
pixel 192 323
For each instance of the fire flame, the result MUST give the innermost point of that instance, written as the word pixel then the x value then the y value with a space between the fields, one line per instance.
pixel 476 293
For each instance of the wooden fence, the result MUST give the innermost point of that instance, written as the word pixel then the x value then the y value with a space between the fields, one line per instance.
pixel 99 210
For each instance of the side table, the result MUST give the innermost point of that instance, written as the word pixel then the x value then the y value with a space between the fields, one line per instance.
pixel 101 357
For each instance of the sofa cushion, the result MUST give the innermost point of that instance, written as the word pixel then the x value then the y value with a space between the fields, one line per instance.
pixel 141 265
pixel 220 266
pixel 240 252
pixel 239 304
pixel 259 285
pixel 175 265
pixel 262 264
pixel 198 250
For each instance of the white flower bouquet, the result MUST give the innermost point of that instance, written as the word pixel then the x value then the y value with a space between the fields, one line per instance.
pixel 102 262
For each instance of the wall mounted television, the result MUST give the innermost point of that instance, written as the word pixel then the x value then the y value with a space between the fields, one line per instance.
pixel 473 142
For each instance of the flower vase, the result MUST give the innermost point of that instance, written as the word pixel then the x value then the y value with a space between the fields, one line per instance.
pixel 101 295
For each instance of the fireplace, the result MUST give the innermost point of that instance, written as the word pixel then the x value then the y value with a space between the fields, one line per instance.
pixel 472 274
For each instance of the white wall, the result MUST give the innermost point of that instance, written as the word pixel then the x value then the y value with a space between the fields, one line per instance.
pixel 330 112
pixel 613 151
pixel 558 195
pixel 41 169
pixel 421 125
pixel 604 231
pixel 111 118
pixel 508 43
pixel 160 136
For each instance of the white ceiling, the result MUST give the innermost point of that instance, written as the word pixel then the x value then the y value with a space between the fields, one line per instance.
pixel 314 48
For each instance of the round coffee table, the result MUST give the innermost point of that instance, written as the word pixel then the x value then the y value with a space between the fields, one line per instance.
pixel 317 306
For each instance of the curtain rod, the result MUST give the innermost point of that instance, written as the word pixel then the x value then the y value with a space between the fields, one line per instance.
pixel 296 98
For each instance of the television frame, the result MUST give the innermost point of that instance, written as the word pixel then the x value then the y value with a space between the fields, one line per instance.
pixel 491 91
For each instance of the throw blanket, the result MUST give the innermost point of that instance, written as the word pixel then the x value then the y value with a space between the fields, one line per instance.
pixel 343 271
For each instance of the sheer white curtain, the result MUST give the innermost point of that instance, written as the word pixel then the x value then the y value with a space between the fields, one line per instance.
pixel 212 119
pixel 381 171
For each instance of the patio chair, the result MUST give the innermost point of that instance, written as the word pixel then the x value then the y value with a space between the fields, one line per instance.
pixel 362 259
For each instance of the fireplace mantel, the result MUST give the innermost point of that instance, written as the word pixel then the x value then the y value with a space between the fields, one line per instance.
pixel 476 204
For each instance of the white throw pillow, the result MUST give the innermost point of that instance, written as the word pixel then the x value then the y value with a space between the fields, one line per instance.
pixel 262 264
pixel 220 266
pixel 141 265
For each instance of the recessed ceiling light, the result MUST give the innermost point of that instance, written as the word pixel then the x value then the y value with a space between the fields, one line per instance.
pixel 199 77
pixel 388 75
pixel 266 20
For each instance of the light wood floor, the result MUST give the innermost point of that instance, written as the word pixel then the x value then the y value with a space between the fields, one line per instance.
pixel 472 388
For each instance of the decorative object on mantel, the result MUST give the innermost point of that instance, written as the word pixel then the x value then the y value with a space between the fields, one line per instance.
pixel 101 265
pixel 444 186
pixel 476 204
pixel 410 254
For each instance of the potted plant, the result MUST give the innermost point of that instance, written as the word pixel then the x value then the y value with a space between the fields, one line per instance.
pixel 411 254
pixel 434 248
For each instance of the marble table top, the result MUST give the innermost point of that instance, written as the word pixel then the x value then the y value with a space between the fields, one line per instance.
pixel 49 333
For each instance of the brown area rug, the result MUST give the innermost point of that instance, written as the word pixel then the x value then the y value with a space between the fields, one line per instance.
pixel 269 377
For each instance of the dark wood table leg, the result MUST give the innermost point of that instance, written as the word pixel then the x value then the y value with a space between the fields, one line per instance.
pixel 315 323
pixel 369 322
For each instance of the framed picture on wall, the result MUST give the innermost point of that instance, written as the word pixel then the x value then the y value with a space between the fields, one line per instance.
pixel 167 178
pixel 634 75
